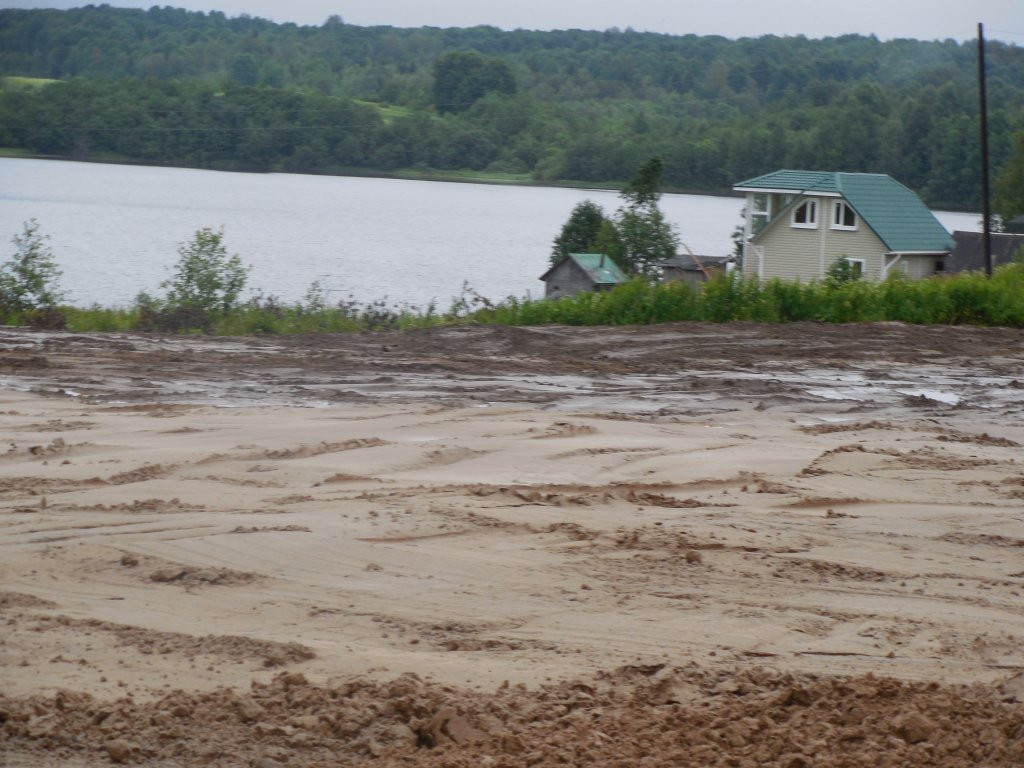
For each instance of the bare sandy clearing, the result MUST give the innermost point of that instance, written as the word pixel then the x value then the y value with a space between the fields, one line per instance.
pixel 801 571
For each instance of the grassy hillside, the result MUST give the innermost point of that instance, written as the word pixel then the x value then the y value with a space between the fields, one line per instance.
pixel 205 90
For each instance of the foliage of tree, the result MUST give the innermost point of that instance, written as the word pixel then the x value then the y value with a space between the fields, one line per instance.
pixel 637 237
pixel 1009 196
pixel 206 278
pixel 172 86
pixel 461 78
pixel 645 238
pixel 841 272
pixel 29 281
pixel 582 233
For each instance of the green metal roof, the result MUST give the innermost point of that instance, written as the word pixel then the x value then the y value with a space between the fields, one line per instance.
pixel 796 181
pixel 899 218
pixel 601 269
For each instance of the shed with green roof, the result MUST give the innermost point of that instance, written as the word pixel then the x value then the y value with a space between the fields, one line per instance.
pixel 582 272
pixel 800 223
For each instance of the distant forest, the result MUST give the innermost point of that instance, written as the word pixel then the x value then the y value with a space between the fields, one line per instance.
pixel 175 87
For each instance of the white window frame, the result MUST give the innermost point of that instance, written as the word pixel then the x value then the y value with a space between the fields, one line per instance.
pixel 862 264
pixel 812 207
pixel 839 210
pixel 760 211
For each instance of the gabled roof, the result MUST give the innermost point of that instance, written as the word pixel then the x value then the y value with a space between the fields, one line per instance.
pixel 599 268
pixel 902 222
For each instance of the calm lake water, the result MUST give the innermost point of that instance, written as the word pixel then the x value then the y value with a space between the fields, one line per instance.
pixel 115 229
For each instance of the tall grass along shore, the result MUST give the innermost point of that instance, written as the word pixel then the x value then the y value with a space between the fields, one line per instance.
pixel 969 298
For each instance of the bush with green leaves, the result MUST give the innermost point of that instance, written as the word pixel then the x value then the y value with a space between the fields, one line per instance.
pixel 841 272
pixel 29 281
pixel 206 278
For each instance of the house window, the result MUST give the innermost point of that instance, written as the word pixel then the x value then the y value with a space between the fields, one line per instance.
pixel 760 212
pixel 843 216
pixel 805 215
pixel 856 268
pixel 940 265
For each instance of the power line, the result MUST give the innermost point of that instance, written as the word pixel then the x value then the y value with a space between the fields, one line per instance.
pixel 1015 33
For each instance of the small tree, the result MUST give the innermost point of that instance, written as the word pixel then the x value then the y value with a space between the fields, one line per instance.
pixel 646 237
pixel 205 277
pixel 581 233
pixel 840 273
pixel 29 281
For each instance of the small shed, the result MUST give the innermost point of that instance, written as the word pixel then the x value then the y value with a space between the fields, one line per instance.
pixel 691 268
pixel 969 252
pixel 582 272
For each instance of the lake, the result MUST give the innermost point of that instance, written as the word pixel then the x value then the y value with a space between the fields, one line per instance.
pixel 115 229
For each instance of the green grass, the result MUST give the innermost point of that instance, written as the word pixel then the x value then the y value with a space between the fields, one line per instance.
pixel 476 177
pixel 388 112
pixel 16 83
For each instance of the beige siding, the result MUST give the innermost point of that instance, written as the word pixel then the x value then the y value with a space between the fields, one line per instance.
pixel 790 253
pixel 918 267
pixel 861 243
pixel 793 253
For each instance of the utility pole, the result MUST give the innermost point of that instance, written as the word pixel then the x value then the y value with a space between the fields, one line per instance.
pixel 986 207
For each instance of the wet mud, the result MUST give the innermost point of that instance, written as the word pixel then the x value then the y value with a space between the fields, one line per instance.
pixel 663 369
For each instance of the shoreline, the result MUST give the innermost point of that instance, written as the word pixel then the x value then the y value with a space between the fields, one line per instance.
pixel 406 174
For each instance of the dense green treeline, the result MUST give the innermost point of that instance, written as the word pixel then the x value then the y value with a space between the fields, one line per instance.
pixel 178 87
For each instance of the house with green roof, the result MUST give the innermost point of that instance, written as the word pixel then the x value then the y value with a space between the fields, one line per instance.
pixel 582 272
pixel 799 223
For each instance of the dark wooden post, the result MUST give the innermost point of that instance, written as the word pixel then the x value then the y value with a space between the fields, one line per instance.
pixel 986 207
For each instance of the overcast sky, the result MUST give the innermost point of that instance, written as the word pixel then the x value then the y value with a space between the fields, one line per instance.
pixel 920 19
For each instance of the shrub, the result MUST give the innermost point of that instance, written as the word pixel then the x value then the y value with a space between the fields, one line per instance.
pixel 206 279
pixel 29 288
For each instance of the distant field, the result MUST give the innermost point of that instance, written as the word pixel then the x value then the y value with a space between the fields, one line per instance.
pixel 387 112
pixel 15 83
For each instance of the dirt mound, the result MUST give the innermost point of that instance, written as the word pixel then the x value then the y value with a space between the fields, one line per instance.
pixel 21 600
pixel 197 577
pixel 148 641
pixel 271 528
pixel 650 716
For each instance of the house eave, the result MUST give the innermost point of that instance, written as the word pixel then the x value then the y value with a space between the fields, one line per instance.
pixel 791 191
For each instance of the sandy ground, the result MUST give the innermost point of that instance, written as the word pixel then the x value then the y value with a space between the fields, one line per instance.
pixel 731 545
